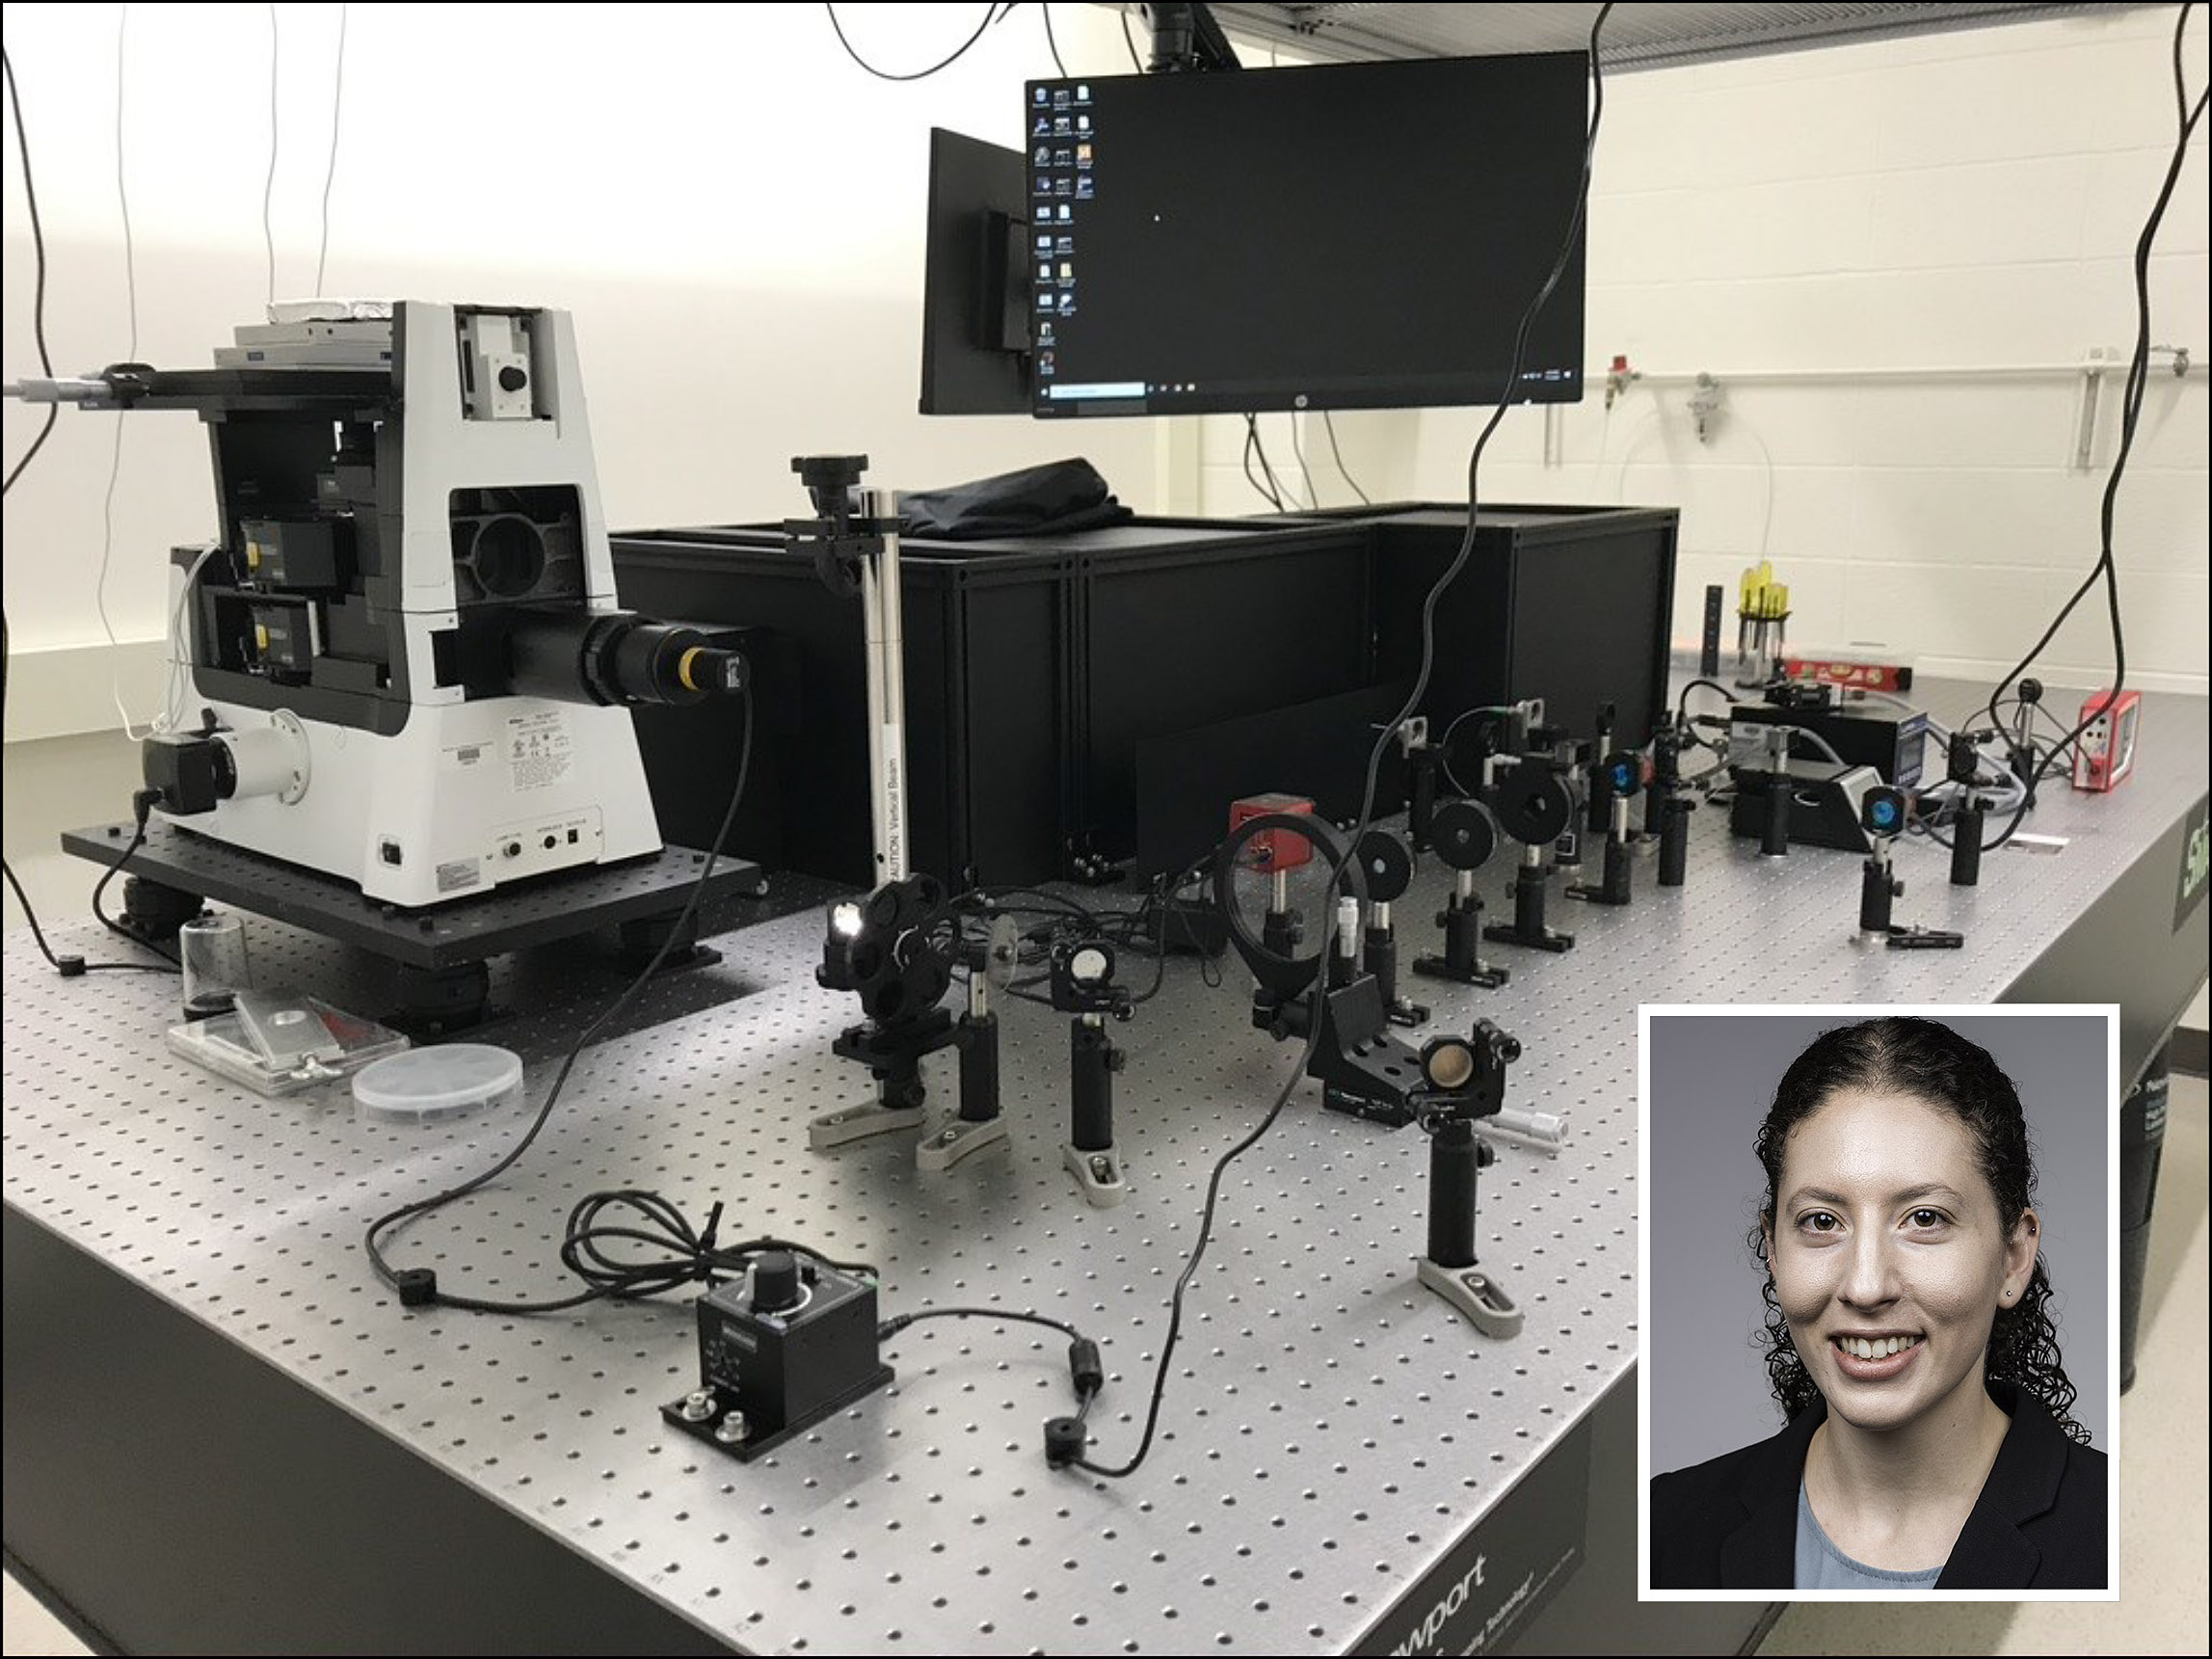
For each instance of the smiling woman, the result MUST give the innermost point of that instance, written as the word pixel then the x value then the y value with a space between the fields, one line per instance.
pixel 1929 1441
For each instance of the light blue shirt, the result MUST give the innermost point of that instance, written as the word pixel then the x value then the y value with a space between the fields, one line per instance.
pixel 1820 1565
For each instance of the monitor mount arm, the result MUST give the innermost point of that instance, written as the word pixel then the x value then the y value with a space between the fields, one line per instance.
pixel 1186 39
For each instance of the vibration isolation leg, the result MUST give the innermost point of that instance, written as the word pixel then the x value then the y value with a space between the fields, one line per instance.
pixel 1455 1159
pixel 1089 1151
pixel 979 1122
pixel 644 938
pixel 152 911
pixel 438 1002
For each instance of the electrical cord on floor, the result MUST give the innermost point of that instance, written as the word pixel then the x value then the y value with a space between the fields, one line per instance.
pixel 1383 740
pixel 418 1287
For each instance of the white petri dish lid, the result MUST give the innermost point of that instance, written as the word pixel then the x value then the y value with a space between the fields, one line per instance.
pixel 429 1086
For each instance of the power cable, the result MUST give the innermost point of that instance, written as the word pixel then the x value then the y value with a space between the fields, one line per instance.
pixel 2134 389
pixel 418 1286
pixel 1374 772
pixel 331 173
pixel 269 185
pixel 1051 43
pixel 1329 424
pixel 991 16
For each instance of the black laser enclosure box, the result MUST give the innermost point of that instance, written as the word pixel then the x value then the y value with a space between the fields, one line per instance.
pixel 1110 692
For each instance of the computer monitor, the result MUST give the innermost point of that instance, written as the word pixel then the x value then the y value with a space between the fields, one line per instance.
pixel 1347 236
pixel 975 291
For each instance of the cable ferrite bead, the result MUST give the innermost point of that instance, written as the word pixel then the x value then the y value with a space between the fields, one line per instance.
pixel 1065 1439
pixel 1086 1365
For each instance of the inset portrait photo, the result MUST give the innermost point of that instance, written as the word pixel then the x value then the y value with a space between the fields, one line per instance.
pixel 1879 1303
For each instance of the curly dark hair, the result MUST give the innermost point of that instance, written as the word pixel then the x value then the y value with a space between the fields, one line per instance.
pixel 1934 1063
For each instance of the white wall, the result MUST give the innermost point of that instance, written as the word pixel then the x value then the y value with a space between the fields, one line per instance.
pixel 1967 199
pixel 733 212
pixel 730 206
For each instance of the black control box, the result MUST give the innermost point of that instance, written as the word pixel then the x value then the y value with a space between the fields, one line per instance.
pixel 1893 741
pixel 779 1349
pixel 1824 807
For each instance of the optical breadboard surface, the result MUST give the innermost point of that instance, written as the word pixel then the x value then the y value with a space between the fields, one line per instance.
pixel 1330 1428
pixel 1347 236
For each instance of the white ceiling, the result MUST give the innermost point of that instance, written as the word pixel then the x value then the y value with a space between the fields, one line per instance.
pixel 1636 36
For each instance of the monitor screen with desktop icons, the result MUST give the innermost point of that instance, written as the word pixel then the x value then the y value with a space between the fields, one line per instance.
pixel 1347 236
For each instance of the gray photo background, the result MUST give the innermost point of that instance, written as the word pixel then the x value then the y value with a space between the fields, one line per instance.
pixel 1712 1078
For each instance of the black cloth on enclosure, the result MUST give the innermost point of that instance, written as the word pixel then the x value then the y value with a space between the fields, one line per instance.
pixel 1037 500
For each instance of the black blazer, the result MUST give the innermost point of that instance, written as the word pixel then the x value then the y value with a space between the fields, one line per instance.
pixel 2038 1524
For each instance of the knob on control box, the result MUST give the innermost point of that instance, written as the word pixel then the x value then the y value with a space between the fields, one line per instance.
pixel 778 1350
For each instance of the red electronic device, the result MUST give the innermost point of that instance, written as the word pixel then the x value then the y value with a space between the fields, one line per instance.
pixel 1274 850
pixel 2105 753
pixel 1851 673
